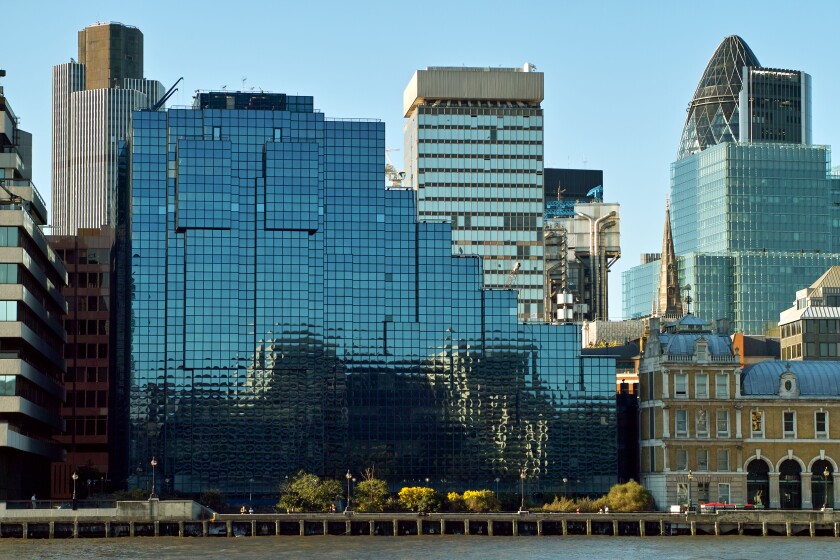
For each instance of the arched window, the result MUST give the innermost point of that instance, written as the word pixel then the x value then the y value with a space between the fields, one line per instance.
pixel 790 485
pixel 822 484
pixel 758 483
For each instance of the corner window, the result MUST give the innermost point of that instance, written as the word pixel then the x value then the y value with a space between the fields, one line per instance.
pixel 680 386
pixel 789 424
pixel 821 424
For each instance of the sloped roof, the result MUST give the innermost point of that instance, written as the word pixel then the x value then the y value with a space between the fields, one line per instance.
pixel 683 343
pixel 814 378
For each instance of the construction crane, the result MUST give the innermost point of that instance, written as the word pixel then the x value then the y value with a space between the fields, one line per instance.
pixel 512 276
pixel 391 173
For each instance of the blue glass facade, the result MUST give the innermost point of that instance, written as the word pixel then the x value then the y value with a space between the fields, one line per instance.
pixel 752 223
pixel 287 312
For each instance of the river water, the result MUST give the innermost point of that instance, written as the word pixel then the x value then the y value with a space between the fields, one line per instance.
pixel 455 547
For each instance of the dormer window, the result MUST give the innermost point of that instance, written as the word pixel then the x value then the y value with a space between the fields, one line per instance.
pixel 788 387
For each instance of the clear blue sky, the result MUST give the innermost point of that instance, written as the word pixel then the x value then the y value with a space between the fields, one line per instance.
pixel 618 75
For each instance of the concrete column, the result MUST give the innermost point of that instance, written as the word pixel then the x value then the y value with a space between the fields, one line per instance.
pixel 539 527
pixel 442 527
pixel 229 525
pixel 740 528
pixel 738 418
pixel 565 527
pixel 615 527
pixel 107 529
pixel 277 527
pixel 773 478
pixel 419 528
pixel 763 528
pixel 811 529
pixel 717 529
pixel 76 529
pixel 661 527
pixel 835 477
pixel 204 527
pixel 588 527
pixel 806 490
pixel 666 423
pixel 787 528
pixel 836 530
pixel 515 527
pixel 693 525
pixel 52 529
pixel 180 528
pixel 157 528
pixel 302 525
pixel 466 526
pixel 25 530
pixel 397 528
pixel 490 527
pixel 130 529
pixel 373 527
pixel 325 527
pixel 641 527
pixel 253 528
pixel 348 527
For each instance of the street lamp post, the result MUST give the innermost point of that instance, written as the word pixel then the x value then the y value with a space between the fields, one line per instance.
pixel 497 486
pixel 522 476
pixel 349 477
pixel 690 478
pixel 826 474
pixel 251 492
pixel 154 464
pixel 565 481
pixel 75 477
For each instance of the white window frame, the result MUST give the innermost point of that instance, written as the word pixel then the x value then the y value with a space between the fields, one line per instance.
pixel 684 432
pixel 817 433
pixel 701 385
pixel 789 434
pixel 702 458
pixel 680 379
pixel 722 454
pixel 724 492
pixel 722 414
pixel 759 433
pixel 718 393
pixel 701 429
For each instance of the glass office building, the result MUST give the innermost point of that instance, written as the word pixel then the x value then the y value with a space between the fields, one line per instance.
pixel 754 211
pixel 474 154
pixel 288 312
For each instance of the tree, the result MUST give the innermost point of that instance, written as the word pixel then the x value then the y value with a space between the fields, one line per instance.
pixel 630 496
pixel 482 501
pixel 418 498
pixel 307 492
pixel 371 494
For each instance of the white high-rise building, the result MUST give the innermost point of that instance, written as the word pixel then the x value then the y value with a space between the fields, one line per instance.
pixel 92 104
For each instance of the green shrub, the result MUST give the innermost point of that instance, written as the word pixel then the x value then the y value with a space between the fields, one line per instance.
pixel 307 492
pixel 481 501
pixel 371 495
pixel 418 498
pixel 630 496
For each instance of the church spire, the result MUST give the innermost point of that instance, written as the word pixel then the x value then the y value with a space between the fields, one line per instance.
pixel 669 304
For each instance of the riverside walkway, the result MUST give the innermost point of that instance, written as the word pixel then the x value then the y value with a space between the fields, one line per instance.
pixel 179 518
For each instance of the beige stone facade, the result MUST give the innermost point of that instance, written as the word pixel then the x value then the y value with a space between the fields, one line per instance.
pixel 712 431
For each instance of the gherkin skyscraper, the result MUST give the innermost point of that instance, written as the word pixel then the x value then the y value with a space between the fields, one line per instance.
pixel 713 111
pixel 754 208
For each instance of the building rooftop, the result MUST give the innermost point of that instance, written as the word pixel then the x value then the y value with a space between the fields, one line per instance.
pixel 469 84
pixel 814 378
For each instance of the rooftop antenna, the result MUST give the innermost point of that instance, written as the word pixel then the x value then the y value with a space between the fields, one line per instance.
pixel 244 79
